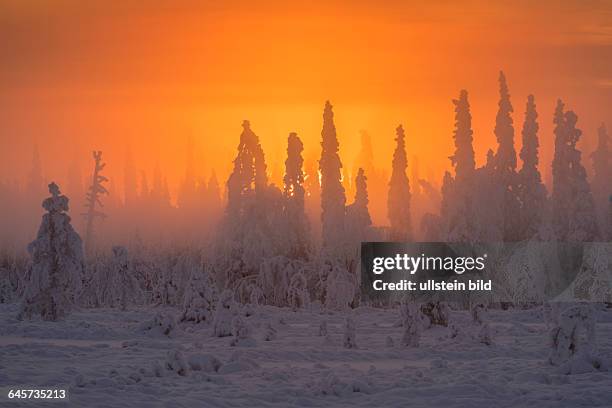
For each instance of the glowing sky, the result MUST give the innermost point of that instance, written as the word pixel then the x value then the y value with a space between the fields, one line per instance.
pixel 77 75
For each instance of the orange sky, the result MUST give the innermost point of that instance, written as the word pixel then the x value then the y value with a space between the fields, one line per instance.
pixel 78 75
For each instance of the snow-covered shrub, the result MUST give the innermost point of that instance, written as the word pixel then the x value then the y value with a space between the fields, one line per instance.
pixel 484 334
pixel 482 330
pixel 574 337
pixel 57 263
pixel 198 304
pixel 341 288
pixel 161 324
pixel 175 361
pixel 203 362
pixel 127 286
pixel 349 337
pixel 331 385
pixel 270 332
pixel 242 333
pixel 437 312
pixel 297 295
pixel 222 323
pixel 412 325
pixel 276 274
pixel 478 313
pixel 323 328
pixel 238 363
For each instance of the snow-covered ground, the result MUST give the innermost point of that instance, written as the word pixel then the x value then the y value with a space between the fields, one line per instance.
pixel 105 358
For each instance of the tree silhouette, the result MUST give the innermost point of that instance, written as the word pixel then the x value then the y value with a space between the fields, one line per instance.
pixel 358 215
pixel 297 222
pixel 456 209
pixel 573 209
pixel 531 190
pixel 505 162
pixel 398 199
pixel 463 158
pixel 333 199
pixel 92 200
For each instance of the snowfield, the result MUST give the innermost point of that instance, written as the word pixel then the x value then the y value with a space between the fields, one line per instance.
pixel 109 358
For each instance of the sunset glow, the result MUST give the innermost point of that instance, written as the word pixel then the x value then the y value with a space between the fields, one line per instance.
pixel 149 79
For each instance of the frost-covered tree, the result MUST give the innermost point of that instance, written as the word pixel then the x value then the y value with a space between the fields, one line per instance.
pixel 57 266
pixel 574 337
pixel 531 190
pixel 224 314
pixel 127 287
pixel 340 288
pixel 398 199
pixel 93 200
pixel 457 208
pixel 572 202
pixel 602 174
pixel 505 162
pixel 297 293
pixel 200 296
pixel 253 227
pixel 298 231
pixel 463 158
pixel 333 199
pixel 242 333
pixel 213 192
pixel 358 219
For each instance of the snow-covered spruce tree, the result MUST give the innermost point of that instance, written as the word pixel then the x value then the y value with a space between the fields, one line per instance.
pixel 358 221
pixel 487 198
pixel 573 208
pixel 57 263
pixel 398 199
pixel 298 230
pixel 561 190
pixel 602 174
pixel 333 199
pixel 200 296
pixel 531 190
pixel 253 225
pixel 456 207
pixel 126 286
pixel 297 293
pixel 93 201
pixel 505 162
pixel 572 202
pixel 341 287
pixel 574 337
pixel 224 314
